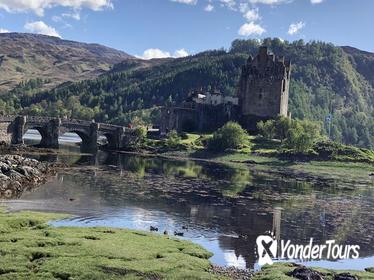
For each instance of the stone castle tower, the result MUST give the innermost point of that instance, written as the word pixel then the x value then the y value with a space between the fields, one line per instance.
pixel 263 88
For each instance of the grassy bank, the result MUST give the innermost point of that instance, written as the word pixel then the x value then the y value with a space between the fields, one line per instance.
pixel 281 271
pixel 31 249
pixel 265 155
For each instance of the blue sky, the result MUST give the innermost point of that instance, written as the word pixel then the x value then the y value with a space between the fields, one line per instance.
pixel 158 28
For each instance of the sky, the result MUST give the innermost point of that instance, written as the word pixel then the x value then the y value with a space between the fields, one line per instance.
pixel 176 28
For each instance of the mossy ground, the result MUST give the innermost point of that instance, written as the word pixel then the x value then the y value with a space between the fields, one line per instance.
pixel 31 249
pixel 279 271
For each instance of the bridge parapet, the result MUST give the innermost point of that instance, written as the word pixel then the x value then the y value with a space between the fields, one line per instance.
pixel 76 122
pixel 7 118
pixel 110 127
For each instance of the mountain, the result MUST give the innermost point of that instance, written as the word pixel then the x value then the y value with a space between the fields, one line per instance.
pixel 325 79
pixel 24 57
pixel 363 61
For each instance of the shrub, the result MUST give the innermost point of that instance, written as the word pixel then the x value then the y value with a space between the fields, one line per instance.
pixel 173 140
pixel 301 135
pixel 136 138
pixel 277 128
pixel 282 127
pixel 230 136
pixel 267 129
pixel 332 150
pixel 294 134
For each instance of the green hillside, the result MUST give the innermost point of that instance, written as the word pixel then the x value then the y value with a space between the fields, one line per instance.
pixel 325 79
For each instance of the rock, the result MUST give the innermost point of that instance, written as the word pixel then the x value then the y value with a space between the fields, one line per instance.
pixel 231 272
pixel 304 273
pixel 18 173
pixel 345 276
pixel 250 162
pixel 15 175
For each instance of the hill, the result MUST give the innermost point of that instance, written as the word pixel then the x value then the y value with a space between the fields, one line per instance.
pixel 25 57
pixel 325 79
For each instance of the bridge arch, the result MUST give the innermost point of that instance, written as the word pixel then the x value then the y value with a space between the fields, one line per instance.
pixel 89 139
pixel 51 128
pixel 111 139
pixel 35 141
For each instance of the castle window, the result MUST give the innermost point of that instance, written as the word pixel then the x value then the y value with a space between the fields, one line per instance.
pixel 260 96
pixel 284 85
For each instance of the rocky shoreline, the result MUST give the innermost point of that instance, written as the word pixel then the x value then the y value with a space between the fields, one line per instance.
pixel 18 174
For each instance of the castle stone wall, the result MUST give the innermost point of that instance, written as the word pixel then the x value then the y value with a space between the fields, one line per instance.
pixel 264 87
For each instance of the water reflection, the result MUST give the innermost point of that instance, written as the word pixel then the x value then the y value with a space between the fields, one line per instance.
pixel 224 208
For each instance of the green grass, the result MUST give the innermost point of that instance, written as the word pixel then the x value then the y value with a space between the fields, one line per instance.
pixel 31 249
pixel 191 139
pixel 279 271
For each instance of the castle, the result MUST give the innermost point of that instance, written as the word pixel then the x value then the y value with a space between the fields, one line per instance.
pixel 262 94
pixel 263 88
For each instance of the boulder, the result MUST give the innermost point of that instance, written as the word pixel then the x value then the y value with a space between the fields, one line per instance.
pixel 304 273
pixel 345 276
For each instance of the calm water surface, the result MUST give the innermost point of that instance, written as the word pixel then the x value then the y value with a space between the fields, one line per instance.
pixel 223 208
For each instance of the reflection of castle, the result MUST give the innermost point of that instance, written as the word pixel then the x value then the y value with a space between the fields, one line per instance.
pixel 262 94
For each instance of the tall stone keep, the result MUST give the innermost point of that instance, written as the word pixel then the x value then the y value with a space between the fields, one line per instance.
pixel 263 88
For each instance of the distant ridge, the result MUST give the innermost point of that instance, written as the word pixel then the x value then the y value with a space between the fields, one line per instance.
pixel 25 56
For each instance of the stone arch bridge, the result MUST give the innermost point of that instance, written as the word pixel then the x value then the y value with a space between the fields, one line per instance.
pixel 13 128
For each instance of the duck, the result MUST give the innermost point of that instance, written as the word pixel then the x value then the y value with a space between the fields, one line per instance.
pixel 151 228
pixel 176 233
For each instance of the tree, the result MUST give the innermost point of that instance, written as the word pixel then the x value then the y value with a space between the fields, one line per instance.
pixel 302 135
pixel 230 136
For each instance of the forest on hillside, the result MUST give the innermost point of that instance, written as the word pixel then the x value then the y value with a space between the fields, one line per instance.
pixel 325 80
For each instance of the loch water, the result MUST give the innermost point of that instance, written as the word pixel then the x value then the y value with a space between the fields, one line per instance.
pixel 221 207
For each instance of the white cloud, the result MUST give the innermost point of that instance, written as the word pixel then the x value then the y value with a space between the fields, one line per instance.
pixel 154 53
pixel 209 8
pixel 56 18
pixel 40 27
pixel 180 53
pixel 38 6
pixel 316 1
pixel 295 27
pixel 231 4
pixel 2 30
pixel 251 28
pixel 269 2
pixel 188 2
pixel 157 53
pixel 252 14
pixel 74 15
